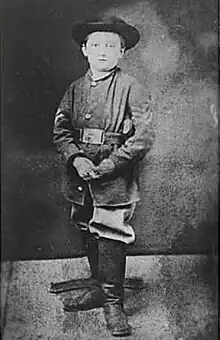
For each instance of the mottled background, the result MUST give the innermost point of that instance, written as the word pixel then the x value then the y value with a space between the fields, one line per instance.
pixel 176 60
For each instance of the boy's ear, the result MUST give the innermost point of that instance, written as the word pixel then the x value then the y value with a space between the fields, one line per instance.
pixel 122 52
pixel 84 51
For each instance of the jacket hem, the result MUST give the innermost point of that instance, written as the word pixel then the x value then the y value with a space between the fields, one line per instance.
pixel 96 204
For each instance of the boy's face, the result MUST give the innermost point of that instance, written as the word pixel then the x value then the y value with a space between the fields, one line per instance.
pixel 103 50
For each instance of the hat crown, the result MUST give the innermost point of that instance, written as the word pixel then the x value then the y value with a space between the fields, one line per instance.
pixel 107 23
pixel 107 20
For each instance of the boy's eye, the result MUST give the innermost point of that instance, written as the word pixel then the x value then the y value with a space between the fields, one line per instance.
pixel 110 45
pixel 95 45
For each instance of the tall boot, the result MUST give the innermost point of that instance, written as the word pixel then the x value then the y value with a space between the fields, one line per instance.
pixel 112 263
pixel 91 296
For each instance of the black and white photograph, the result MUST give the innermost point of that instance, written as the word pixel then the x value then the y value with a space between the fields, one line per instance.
pixel 109 169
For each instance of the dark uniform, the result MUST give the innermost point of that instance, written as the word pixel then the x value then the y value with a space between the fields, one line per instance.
pixel 116 112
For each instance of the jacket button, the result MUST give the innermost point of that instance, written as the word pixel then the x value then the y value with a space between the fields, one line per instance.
pixel 88 116
pixel 80 188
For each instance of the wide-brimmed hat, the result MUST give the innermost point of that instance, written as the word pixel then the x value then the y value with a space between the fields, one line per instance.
pixel 129 33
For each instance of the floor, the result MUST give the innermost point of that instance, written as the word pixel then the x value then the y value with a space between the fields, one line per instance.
pixel 178 300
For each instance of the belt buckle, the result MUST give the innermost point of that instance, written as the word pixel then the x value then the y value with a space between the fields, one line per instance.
pixel 93 136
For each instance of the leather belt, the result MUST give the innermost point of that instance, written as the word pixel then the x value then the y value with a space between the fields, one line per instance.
pixel 98 136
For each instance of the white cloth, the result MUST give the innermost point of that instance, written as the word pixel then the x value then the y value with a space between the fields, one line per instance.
pixel 112 223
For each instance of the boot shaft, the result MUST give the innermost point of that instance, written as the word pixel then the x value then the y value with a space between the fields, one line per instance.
pixel 92 249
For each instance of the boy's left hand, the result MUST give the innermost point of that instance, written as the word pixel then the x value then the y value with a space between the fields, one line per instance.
pixel 106 167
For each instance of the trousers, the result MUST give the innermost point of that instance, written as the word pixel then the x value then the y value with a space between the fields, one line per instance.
pixel 111 222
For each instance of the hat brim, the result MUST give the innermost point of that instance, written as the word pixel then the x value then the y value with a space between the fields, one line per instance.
pixel 129 33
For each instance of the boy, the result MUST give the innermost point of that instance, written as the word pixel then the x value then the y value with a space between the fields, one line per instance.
pixel 103 128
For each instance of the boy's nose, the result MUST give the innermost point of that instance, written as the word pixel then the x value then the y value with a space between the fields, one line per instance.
pixel 102 55
pixel 102 51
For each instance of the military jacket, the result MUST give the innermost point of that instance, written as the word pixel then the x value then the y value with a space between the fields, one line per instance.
pixel 117 104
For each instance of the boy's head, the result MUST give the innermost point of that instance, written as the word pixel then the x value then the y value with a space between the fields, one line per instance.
pixel 103 50
pixel 104 41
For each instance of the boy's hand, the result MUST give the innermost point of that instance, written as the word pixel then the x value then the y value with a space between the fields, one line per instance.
pixel 106 167
pixel 84 167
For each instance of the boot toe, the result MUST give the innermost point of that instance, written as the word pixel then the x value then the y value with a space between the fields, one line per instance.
pixel 116 320
pixel 89 299
pixel 121 332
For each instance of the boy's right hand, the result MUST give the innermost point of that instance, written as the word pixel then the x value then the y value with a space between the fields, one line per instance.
pixel 84 167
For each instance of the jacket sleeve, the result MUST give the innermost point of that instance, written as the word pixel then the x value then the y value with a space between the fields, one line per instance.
pixel 141 112
pixel 63 136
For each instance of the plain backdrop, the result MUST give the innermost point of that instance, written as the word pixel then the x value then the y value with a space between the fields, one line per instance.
pixel 176 60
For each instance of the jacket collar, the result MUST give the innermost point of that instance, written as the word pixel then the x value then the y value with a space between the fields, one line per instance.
pixel 111 73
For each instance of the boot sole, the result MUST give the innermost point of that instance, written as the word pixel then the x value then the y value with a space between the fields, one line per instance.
pixel 121 333
pixel 65 286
